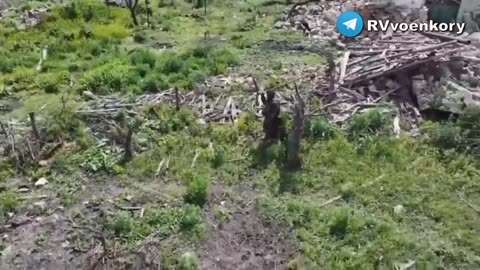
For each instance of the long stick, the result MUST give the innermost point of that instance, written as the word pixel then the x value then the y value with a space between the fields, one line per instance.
pixel 34 126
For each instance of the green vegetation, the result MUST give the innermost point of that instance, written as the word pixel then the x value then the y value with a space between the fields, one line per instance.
pixel 197 191
pixel 186 178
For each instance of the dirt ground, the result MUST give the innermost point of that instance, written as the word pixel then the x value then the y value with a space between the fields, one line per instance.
pixel 243 242
pixel 43 236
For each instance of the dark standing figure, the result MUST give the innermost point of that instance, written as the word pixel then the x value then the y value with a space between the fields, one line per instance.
pixel 273 127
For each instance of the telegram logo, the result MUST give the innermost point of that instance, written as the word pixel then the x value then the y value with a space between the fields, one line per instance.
pixel 350 24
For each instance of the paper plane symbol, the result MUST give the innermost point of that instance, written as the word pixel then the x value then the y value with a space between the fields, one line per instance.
pixel 351 24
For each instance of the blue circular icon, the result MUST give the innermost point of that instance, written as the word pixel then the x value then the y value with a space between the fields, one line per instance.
pixel 350 24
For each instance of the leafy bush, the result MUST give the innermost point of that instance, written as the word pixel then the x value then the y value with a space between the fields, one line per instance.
pixel 189 261
pixel 191 221
pixel 167 119
pixel 62 123
pixel 153 84
pixel 197 190
pixel 6 64
pixel 6 170
pixel 173 64
pixel 144 56
pixel 51 88
pixel 194 65
pixel 108 78
pixel 320 128
pixel 370 122
pixel 446 135
pixel 249 124
pixel 8 201
pixel 218 157
pixel 223 134
pixel 97 159
pixel 265 154
pixel 339 226
pixel 121 224
pixel 70 11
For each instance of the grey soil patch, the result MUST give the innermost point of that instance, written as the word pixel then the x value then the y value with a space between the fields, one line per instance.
pixel 244 241
pixel 41 234
pixel 39 243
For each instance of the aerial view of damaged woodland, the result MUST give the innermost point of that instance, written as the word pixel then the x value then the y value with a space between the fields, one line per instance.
pixel 237 135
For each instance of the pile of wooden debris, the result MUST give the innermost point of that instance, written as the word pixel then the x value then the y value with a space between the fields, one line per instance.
pixel 420 72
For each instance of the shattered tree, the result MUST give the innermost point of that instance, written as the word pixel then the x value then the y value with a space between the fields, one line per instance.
pixel 132 6
pixel 294 140
pixel 272 123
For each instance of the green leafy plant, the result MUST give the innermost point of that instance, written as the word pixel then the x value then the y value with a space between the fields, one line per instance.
pixel 108 78
pixel 320 128
pixel 189 261
pixel 191 221
pixel 97 159
pixel 8 201
pixel 197 190
pixel 370 122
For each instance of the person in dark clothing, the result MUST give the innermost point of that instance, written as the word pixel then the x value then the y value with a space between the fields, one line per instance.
pixel 273 127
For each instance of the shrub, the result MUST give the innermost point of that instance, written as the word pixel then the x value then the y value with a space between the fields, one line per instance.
pixel 121 224
pixel 170 120
pixel 70 11
pixel 339 226
pixel 224 134
pixel 265 154
pixel 97 159
pixel 144 56
pixel 197 191
pixel 107 78
pixel 370 122
pixel 8 201
pixel 173 64
pixel 63 122
pixel 446 135
pixel 142 70
pixel 6 64
pixel 218 158
pixel 191 219
pixel 189 261
pixel 88 13
pixel 320 128
pixel 51 88
pixel 202 51
pixel 248 124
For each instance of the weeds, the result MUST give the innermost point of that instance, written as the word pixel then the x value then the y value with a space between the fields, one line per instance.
pixel 8 201
pixel 191 222
pixel 197 191
pixel 370 122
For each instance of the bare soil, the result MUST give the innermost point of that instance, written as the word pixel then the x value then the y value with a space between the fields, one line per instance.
pixel 243 242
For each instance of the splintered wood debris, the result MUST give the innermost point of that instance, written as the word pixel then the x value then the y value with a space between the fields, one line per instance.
pixel 222 108
pixel 410 69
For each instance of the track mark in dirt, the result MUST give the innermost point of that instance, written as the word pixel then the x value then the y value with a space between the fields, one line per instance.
pixel 243 242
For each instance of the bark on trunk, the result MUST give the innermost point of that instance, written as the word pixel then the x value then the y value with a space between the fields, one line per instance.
pixel 293 154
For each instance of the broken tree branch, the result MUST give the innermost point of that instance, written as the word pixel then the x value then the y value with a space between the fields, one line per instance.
pixel 34 126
